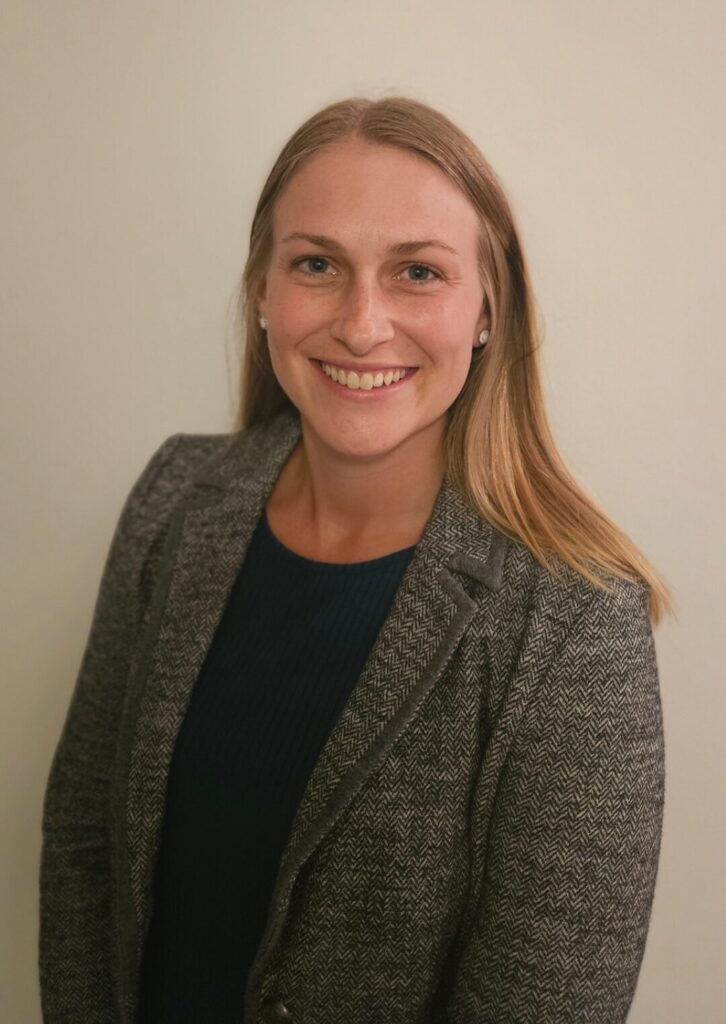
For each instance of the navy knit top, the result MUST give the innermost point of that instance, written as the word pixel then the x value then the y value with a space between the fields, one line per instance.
pixel 292 642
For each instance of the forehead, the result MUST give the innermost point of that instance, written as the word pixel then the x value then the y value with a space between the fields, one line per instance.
pixel 358 189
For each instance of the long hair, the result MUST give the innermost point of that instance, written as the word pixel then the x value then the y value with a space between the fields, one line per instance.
pixel 499 449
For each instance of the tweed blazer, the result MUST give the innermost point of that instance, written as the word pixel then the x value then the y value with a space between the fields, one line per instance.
pixel 479 839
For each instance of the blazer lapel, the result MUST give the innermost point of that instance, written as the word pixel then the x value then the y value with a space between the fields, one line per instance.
pixel 206 546
pixel 429 615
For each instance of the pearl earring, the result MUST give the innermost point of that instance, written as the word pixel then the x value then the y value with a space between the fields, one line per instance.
pixel 483 338
pixel 263 323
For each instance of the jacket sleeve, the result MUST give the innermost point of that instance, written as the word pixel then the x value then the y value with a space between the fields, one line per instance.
pixel 562 906
pixel 75 941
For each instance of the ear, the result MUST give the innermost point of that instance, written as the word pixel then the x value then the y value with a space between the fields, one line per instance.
pixel 261 303
pixel 485 320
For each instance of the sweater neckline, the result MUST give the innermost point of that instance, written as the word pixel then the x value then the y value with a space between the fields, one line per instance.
pixel 372 563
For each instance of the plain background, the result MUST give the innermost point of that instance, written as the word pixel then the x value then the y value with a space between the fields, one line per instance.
pixel 135 140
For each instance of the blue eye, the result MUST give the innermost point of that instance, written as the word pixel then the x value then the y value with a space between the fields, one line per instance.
pixel 310 259
pixel 422 266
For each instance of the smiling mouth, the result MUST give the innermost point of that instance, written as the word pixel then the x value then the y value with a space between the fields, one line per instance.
pixel 360 371
pixel 392 385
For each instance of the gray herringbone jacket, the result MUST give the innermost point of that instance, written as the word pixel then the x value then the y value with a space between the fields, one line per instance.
pixel 478 842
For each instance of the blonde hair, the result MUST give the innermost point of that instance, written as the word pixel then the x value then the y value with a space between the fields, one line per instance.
pixel 499 449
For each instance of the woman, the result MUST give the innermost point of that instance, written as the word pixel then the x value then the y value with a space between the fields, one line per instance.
pixel 368 728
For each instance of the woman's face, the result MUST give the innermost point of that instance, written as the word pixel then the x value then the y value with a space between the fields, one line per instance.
pixel 348 298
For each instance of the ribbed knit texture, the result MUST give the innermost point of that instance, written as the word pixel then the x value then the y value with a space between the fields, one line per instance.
pixel 292 642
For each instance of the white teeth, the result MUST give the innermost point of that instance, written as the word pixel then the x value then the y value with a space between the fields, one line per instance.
pixel 365 381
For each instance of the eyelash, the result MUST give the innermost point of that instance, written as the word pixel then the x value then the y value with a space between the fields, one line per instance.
pixel 305 259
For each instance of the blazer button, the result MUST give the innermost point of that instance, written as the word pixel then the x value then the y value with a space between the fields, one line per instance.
pixel 274 1011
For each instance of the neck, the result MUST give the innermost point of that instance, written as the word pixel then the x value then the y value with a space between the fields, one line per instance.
pixel 339 499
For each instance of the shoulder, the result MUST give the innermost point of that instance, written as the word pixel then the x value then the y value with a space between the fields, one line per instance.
pixel 180 458
pixel 560 590
pixel 183 460
pixel 170 469
pixel 569 656
pixel 166 478
pixel 551 607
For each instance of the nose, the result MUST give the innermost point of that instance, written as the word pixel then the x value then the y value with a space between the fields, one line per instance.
pixel 363 318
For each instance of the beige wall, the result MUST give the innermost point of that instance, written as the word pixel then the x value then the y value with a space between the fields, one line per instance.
pixel 135 138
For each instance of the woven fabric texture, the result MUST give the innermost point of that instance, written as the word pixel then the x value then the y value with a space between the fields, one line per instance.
pixel 478 842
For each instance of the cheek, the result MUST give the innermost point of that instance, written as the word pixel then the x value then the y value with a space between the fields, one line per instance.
pixel 295 316
pixel 454 362
pixel 443 324
pixel 449 345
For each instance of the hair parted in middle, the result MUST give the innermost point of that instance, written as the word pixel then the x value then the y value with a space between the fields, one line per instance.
pixel 499 450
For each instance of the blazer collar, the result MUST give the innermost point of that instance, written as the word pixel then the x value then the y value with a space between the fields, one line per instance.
pixel 205 548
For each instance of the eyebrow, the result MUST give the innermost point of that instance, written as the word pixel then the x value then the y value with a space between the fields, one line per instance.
pixel 400 248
